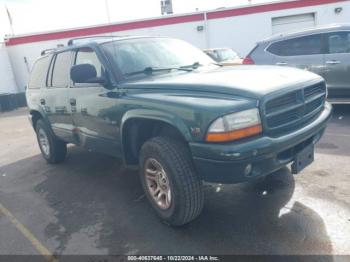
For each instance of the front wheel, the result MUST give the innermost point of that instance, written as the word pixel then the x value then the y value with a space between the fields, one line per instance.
pixel 52 149
pixel 170 181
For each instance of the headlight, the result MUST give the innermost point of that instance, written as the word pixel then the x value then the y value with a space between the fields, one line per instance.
pixel 235 126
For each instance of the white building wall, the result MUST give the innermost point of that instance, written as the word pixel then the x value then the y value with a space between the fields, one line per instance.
pixel 7 83
pixel 242 32
pixel 238 32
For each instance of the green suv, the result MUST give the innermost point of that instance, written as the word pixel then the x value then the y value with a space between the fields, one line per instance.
pixel 165 106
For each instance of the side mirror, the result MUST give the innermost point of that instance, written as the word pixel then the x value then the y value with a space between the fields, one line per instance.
pixel 85 73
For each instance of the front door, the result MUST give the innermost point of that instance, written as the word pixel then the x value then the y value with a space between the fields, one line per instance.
pixel 94 111
pixel 337 65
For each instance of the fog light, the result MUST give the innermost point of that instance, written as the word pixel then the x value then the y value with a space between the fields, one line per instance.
pixel 248 169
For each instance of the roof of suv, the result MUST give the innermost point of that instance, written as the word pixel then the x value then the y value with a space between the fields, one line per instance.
pixel 92 40
pixel 102 39
pixel 308 31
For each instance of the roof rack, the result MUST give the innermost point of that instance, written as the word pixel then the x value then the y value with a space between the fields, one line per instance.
pixel 47 51
pixel 74 40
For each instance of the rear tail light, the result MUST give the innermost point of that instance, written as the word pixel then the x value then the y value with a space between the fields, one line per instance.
pixel 248 61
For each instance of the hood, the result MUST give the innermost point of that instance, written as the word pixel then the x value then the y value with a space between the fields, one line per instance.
pixel 247 81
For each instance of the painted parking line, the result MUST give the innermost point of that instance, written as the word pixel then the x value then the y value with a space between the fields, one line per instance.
pixel 28 235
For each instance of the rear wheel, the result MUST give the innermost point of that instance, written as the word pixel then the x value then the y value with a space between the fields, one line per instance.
pixel 170 181
pixel 52 149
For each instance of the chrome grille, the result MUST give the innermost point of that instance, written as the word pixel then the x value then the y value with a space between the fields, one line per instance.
pixel 294 109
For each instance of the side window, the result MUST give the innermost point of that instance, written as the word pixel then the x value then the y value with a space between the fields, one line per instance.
pixel 306 45
pixel 39 73
pixel 61 69
pixel 339 42
pixel 88 56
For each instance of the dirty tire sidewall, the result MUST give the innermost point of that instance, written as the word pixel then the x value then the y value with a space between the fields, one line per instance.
pixel 57 148
pixel 186 186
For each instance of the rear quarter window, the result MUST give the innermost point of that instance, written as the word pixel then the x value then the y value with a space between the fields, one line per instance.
pixel 39 73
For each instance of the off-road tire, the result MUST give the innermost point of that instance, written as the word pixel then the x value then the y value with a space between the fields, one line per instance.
pixel 57 149
pixel 186 187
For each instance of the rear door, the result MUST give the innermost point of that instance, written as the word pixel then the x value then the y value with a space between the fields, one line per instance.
pixel 306 52
pixel 37 83
pixel 337 65
pixel 54 98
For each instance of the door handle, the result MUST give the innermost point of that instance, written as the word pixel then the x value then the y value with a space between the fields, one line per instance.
pixel 281 63
pixel 42 101
pixel 333 62
pixel 73 101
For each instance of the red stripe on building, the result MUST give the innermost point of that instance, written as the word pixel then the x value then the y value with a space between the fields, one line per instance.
pixel 104 29
pixel 269 8
pixel 165 21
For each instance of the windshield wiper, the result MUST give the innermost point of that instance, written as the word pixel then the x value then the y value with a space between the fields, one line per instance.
pixel 217 64
pixel 195 65
pixel 149 70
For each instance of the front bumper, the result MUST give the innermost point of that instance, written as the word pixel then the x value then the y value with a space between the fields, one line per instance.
pixel 226 163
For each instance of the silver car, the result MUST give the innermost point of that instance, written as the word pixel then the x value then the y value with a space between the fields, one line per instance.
pixel 325 51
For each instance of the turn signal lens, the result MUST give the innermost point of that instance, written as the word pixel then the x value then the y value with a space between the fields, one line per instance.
pixel 234 135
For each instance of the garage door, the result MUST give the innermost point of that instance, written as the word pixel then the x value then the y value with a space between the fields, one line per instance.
pixel 291 23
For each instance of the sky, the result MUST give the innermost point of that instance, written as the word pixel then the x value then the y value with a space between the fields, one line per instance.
pixel 29 16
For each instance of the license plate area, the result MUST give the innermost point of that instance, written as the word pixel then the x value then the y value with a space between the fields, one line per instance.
pixel 302 159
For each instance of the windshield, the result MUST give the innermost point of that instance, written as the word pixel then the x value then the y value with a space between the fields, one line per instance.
pixel 135 55
pixel 227 54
